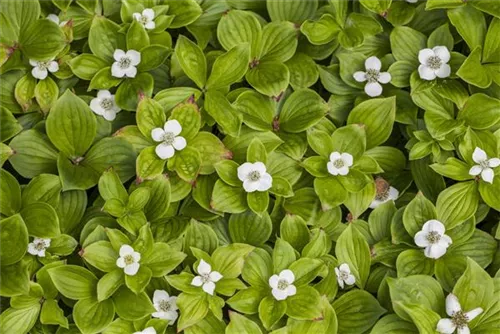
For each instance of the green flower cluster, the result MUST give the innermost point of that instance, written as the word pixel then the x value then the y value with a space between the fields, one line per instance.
pixel 250 167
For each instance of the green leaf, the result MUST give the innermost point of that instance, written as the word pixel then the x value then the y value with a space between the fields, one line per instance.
pixel 193 308
pixel 123 298
pixel 418 290
pixel 474 287
pixel 11 194
pixel 401 71
pixel 281 187
pixel 73 115
pixel 110 186
pixel 185 12
pixel 229 260
pixel 441 36
pixel 279 41
pixel 486 106
pixel 41 220
pixel 9 126
pixel 470 24
pixel 192 60
pixel 280 10
pixel 149 165
pixel 104 38
pixel 250 228
pixel 217 106
pixel 163 259
pixel 46 93
pixel 473 72
pixel 152 57
pixel 406 43
pixel 241 324
pixel 376 6
pixel 424 319
pixel 271 311
pixel 52 314
pixel 417 213
pixel 14 239
pixel 377 115
pixel 392 324
pixel 229 67
pixel 304 305
pixel 350 139
pixel 85 66
pixel 357 311
pixel 212 151
pixel 321 31
pixel 237 27
pixel 109 283
pixel 457 203
pixel 101 255
pixel 132 90
pixel 92 316
pixel 137 37
pixel 74 282
pixel 138 282
pixel 268 77
pixel 188 115
pixel 15 279
pixel 414 262
pixel 330 191
pixel 257 110
pixel 19 320
pixel 42 40
pixel 454 169
pixel 491 42
pixel 150 115
pixel 302 109
pixel 352 248
pixel 303 71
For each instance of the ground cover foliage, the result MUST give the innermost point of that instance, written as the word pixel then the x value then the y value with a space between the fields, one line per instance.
pixel 238 166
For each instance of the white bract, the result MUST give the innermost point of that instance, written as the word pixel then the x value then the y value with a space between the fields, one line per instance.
pixel 104 105
pixel 484 165
pixel 433 63
pixel 146 18
pixel 373 76
pixel 282 286
pixel 459 319
pixel 206 278
pixel 149 330
pixel 254 177
pixel 38 246
pixel 129 260
pixel 165 305
pixel 385 193
pixel 344 275
pixel 412 1
pixel 339 163
pixel 41 69
pixel 54 18
pixel 125 64
pixel 433 239
pixel 169 139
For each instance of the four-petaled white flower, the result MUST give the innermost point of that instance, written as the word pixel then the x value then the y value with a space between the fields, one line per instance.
pixel 149 330
pixel 206 278
pixel 282 286
pixel 146 18
pixel 459 319
pixel 38 246
pixel 434 240
pixel 433 63
pixel 166 306
pixel 125 64
pixel 373 76
pixel 104 105
pixel 344 275
pixel 54 18
pixel 41 69
pixel 339 163
pixel 129 260
pixel 484 165
pixel 254 177
pixel 385 193
pixel 169 139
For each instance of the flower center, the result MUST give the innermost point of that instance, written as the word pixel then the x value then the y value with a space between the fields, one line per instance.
pixel 344 275
pixel 434 62
pixel 165 305
pixel 460 319
pixel 106 104
pixel 124 62
pixel 282 284
pixel 40 246
pixel 43 65
pixel 168 138
pixel 144 19
pixel 254 176
pixel 484 164
pixel 433 237
pixel 205 278
pixel 129 259
pixel 372 75
pixel 339 163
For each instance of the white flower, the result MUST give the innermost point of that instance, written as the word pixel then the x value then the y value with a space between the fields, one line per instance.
pixel 433 63
pixel 40 68
pixel 344 275
pixel 149 330
pixel 412 1
pixel 484 165
pixel 166 306
pixel 434 240
pixel 125 64
pixel 129 260
pixel 146 18
pixel 254 177
pixel 38 246
pixel 169 139
pixel 282 286
pixel 459 319
pixel 104 105
pixel 54 18
pixel 384 194
pixel 373 76
pixel 207 278
pixel 339 163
